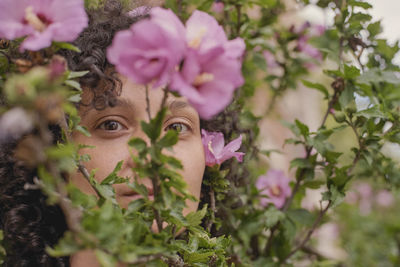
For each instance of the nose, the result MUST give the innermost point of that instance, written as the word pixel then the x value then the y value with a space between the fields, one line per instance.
pixel 136 145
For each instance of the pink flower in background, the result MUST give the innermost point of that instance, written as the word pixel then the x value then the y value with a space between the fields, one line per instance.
pixel 365 192
pixel 215 150
pixel 151 49
pixel 274 188
pixel 270 59
pixel 217 7
pixel 384 198
pixel 212 66
pixel 308 49
pixel 42 21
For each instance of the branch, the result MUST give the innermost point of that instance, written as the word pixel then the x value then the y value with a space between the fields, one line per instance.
pixel 310 232
pixel 213 210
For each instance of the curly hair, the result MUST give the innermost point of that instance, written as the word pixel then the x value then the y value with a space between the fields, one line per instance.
pixel 28 222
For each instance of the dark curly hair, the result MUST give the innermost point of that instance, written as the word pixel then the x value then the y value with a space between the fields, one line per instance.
pixel 28 222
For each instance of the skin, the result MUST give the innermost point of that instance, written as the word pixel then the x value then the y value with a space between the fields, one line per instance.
pixel 113 127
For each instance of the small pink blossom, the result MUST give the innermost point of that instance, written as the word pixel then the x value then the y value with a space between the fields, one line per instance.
pixel 384 198
pixel 217 7
pixel 151 49
pixel 270 59
pixel 308 49
pixel 212 66
pixel 216 152
pixel 42 21
pixel 274 188
pixel 365 192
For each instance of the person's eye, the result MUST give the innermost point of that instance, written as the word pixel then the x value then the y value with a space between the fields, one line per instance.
pixel 111 125
pixel 178 126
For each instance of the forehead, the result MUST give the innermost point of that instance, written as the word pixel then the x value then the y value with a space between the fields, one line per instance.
pixel 133 98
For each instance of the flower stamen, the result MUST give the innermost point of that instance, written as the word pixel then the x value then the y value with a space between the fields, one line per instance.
pixel 195 42
pixel 34 20
pixel 203 78
pixel 276 190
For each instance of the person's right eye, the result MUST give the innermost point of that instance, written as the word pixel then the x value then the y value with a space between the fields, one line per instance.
pixel 111 125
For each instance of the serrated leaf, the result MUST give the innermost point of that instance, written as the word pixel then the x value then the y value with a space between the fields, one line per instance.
pixel 195 218
pixel 113 178
pixel 169 139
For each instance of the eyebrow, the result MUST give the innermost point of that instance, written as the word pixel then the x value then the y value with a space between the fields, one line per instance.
pixel 121 102
pixel 178 104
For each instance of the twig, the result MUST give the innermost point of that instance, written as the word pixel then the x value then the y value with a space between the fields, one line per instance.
pixel 311 231
pixel 148 103
pixel 212 208
pixel 239 17
pixel 165 97
pixel 156 190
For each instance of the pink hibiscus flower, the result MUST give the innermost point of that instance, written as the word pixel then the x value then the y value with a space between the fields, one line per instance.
pixel 215 150
pixel 151 49
pixel 212 66
pixel 274 188
pixel 42 21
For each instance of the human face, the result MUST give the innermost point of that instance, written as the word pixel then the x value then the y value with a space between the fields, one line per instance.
pixel 113 127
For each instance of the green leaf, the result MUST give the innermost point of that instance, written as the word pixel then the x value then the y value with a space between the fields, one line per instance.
pixel 363 5
pixel 374 29
pixel 61 151
pixel 75 98
pixel 153 128
pixel 68 46
pixel 314 184
pixel 74 84
pixel 169 139
pixel 300 163
pixel 303 128
pixel 351 72
pixel 138 143
pixel 76 74
pixel 273 216
pixel 317 86
pixel 195 218
pixel 83 130
pixel 105 259
pixel 66 246
pixel 373 112
pixel 113 178
pixel 301 216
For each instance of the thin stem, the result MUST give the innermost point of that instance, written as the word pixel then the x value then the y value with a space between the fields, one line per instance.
pixel 165 97
pixel 148 103
pixel 311 231
pixel 156 189
pixel 212 208
pixel 239 17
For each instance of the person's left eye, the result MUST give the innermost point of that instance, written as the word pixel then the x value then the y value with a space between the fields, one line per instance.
pixel 178 126
pixel 111 125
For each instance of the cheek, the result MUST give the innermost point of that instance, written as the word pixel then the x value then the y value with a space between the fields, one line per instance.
pixel 103 157
pixel 193 161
